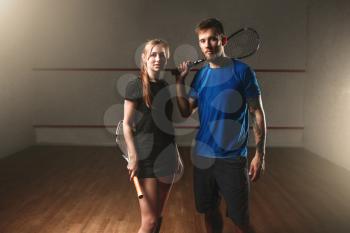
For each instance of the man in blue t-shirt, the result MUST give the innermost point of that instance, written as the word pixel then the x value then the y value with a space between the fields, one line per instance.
pixel 225 90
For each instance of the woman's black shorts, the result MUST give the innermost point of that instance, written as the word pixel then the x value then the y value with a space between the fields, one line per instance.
pixel 160 162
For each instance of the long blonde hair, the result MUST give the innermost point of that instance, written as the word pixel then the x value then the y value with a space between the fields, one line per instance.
pixel 145 79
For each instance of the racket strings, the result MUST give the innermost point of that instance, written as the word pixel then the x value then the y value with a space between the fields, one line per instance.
pixel 243 44
pixel 120 140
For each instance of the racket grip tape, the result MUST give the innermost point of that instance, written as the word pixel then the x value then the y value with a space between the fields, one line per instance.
pixel 138 187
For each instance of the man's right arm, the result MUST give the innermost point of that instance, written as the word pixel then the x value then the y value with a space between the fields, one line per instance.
pixel 186 105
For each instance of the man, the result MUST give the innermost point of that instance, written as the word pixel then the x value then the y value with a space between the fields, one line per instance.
pixel 224 91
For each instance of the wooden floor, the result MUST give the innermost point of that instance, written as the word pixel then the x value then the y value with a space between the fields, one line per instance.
pixel 86 189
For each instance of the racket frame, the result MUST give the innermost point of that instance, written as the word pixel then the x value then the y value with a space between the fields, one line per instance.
pixel 232 35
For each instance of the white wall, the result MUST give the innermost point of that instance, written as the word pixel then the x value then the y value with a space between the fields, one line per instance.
pixel 107 34
pixel 327 87
pixel 99 34
pixel 16 85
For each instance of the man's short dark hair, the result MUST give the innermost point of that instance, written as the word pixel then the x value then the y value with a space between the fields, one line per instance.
pixel 210 23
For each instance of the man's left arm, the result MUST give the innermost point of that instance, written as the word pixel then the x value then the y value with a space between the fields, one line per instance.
pixel 257 115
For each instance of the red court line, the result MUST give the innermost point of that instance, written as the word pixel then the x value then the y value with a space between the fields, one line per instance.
pixel 178 127
pixel 136 70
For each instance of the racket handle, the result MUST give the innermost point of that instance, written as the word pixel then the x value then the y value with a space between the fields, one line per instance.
pixel 198 61
pixel 138 187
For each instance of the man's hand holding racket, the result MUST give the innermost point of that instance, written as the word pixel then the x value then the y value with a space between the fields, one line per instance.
pixel 182 70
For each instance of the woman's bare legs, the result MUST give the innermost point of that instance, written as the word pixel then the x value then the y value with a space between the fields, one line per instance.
pixel 164 187
pixel 156 193
pixel 149 205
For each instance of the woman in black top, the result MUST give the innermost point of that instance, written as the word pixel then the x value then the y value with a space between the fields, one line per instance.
pixel 149 134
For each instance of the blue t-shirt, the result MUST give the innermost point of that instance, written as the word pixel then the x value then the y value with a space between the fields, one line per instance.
pixel 221 95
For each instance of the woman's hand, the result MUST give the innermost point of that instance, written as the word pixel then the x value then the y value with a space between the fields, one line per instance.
pixel 132 167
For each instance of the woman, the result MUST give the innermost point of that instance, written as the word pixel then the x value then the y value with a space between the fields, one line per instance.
pixel 149 134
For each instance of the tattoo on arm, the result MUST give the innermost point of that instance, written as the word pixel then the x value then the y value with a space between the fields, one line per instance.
pixel 258 122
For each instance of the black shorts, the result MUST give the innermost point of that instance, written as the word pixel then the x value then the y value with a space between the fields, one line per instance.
pixel 161 162
pixel 228 177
